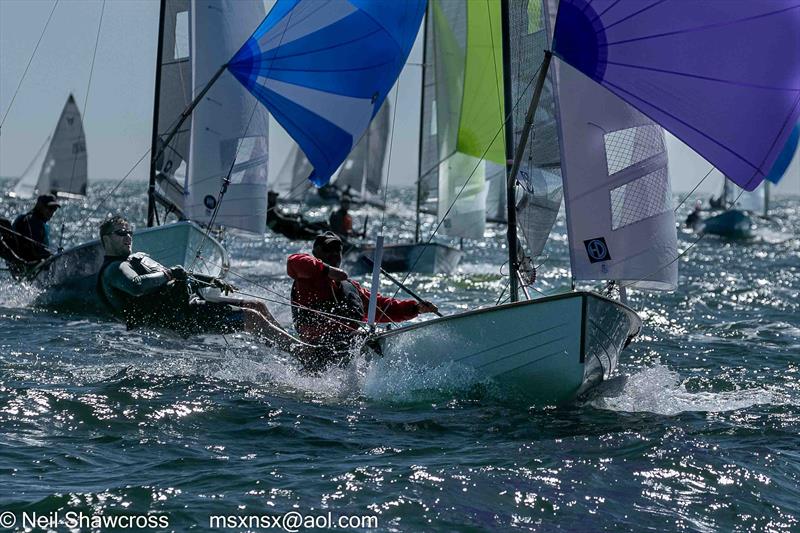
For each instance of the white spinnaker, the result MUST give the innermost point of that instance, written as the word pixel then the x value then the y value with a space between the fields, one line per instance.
pixel 63 169
pixel 616 185
pixel 26 186
pixel 228 124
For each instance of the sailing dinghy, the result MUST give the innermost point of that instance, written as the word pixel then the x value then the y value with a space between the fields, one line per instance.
pixel 59 166
pixel 736 222
pixel 613 164
pixel 226 138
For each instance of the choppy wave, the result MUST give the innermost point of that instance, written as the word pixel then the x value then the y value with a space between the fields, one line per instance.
pixel 697 432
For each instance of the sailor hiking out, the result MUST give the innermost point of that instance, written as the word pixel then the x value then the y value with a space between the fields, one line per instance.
pixel 328 308
pixel 143 293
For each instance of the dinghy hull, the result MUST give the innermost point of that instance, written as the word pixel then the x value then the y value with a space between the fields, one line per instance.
pixel 68 279
pixel 435 258
pixel 732 224
pixel 547 351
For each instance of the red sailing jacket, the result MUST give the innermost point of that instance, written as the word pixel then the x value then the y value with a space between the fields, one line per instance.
pixel 314 289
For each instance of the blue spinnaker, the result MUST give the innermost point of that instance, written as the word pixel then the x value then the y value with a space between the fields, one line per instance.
pixel 722 76
pixel 785 157
pixel 324 67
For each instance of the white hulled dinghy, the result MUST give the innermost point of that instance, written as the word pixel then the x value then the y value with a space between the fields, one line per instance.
pixel 554 348
pixel 223 140
pixel 616 186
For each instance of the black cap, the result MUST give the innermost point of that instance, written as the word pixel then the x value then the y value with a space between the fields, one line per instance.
pixel 327 240
pixel 47 200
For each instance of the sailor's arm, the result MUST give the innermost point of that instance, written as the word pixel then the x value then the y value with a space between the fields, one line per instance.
pixel 393 310
pixel 305 266
pixel 127 280
pixel 390 309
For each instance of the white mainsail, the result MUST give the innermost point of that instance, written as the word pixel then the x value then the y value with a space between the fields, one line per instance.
pixel 63 169
pixel 174 95
pixel 617 189
pixel 26 186
pixel 230 129
pixel 363 170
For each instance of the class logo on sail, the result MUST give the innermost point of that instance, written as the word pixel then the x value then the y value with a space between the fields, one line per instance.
pixel 597 250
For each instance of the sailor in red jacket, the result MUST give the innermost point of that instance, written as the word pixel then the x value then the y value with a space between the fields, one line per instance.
pixel 320 285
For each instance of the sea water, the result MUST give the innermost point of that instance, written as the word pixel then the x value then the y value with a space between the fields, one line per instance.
pixel 698 431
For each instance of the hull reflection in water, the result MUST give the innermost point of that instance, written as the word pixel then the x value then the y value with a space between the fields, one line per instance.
pixel 69 278
pixel 548 351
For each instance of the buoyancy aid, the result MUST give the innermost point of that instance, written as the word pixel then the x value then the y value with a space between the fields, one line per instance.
pixel 166 306
pixel 346 303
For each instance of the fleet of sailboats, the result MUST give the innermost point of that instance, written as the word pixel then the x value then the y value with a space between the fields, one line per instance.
pixel 524 104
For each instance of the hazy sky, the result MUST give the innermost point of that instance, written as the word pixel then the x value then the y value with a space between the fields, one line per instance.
pixel 118 112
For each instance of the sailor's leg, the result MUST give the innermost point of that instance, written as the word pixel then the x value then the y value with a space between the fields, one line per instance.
pixel 255 305
pixel 255 322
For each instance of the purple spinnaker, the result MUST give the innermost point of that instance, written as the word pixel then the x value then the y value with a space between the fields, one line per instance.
pixel 722 76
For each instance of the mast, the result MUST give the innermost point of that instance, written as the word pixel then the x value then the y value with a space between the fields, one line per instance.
pixel 421 120
pixel 151 188
pixel 511 211
pixel 725 193
pixel 766 198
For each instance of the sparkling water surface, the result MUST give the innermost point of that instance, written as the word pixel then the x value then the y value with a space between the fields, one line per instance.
pixel 698 431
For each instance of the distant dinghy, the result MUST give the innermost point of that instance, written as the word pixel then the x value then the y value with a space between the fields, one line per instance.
pixel 61 169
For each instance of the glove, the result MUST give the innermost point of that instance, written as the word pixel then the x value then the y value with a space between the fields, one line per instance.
pixel 178 273
pixel 224 286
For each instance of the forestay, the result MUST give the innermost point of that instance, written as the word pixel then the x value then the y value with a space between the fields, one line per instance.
pixel 617 189
pixel 540 189
pixel 724 77
pixel 323 69
pixel 229 130
pixel 63 170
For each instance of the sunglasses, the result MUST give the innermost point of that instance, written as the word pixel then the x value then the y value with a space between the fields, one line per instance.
pixel 123 232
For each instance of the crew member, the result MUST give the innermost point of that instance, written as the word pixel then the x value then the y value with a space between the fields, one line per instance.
pixel 340 220
pixel 321 289
pixel 694 217
pixel 32 231
pixel 144 293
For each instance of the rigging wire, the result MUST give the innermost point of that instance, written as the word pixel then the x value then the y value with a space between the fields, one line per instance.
pixel 286 301
pixel 28 65
pixel 85 103
pixel 684 252
pixel 111 192
pixel 391 145
pixel 695 188
pixel 88 86
pixel 226 180
pixel 471 174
